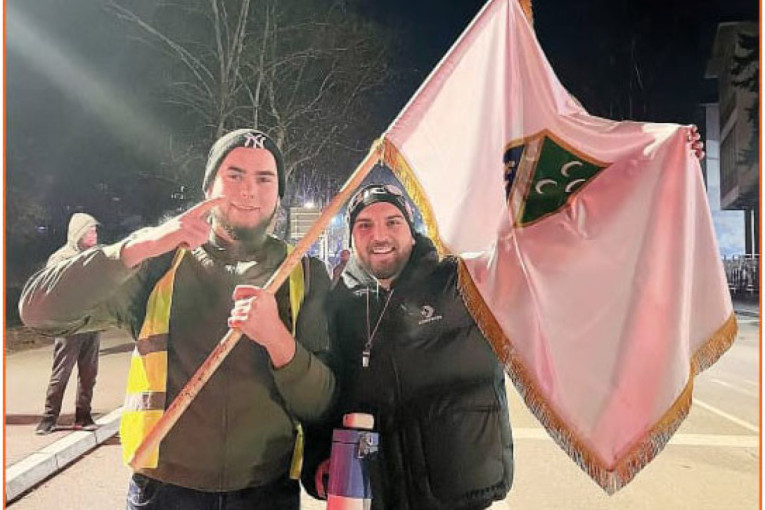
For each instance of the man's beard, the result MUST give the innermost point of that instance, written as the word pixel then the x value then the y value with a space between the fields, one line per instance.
pixel 245 235
pixel 388 271
pixel 385 271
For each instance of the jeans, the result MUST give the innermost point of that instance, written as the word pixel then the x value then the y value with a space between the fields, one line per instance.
pixel 145 493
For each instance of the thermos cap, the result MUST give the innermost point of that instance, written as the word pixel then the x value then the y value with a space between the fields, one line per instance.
pixel 361 421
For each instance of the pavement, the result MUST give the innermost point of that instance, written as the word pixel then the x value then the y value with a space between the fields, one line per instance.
pixel 31 459
pixel 746 308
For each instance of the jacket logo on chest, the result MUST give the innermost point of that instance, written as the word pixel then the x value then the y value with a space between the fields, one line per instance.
pixel 428 314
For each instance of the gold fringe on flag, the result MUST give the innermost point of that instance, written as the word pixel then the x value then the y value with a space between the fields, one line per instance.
pixel 610 478
pixel 396 161
pixel 706 355
pixel 527 10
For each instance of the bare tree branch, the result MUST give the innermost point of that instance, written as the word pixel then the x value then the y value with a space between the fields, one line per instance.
pixel 194 65
pixel 301 70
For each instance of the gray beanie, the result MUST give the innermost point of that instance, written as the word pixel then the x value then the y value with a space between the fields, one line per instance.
pixel 248 138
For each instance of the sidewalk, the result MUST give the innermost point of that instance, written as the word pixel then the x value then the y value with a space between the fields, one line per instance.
pixel 31 458
pixel 749 308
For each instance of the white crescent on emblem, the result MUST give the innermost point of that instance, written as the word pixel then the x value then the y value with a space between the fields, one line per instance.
pixel 573 184
pixel 541 184
pixel 564 168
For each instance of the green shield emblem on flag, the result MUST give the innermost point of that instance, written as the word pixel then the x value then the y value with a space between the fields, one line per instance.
pixel 543 174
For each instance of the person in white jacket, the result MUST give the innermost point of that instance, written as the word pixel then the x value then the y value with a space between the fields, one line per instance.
pixel 80 349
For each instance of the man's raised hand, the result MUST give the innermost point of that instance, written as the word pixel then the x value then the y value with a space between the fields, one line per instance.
pixel 189 230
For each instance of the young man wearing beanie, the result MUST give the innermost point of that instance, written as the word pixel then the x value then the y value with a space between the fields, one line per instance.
pixel 177 288
pixel 407 351
pixel 71 350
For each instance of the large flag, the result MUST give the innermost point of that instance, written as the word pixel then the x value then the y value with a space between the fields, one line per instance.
pixel 588 256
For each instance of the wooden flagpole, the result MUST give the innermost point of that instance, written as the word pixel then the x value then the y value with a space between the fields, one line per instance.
pixel 227 343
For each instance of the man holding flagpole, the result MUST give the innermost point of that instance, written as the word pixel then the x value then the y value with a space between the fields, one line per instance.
pixel 176 287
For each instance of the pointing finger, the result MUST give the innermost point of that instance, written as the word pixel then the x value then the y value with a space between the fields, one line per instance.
pixel 202 208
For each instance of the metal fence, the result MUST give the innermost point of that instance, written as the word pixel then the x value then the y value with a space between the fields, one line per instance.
pixel 743 274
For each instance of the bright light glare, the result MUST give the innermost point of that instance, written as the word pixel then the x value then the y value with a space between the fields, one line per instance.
pixel 121 117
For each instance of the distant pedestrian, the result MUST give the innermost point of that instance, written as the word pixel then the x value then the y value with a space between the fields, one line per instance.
pixel 338 269
pixel 80 349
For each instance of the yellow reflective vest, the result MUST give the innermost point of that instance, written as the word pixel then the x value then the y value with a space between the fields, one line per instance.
pixel 145 396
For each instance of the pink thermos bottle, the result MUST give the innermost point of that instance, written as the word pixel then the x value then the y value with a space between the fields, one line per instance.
pixel 349 487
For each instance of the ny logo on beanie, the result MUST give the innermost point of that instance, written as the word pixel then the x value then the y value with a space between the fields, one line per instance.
pixel 254 140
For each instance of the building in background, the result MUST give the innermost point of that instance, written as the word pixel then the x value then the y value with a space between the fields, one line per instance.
pixel 333 239
pixel 732 162
pixel 729 225
pixel 737 127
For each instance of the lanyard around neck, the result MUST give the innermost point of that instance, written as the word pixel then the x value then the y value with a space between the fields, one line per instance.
pixel 371 334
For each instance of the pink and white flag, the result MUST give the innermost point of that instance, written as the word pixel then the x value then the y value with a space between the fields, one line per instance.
pixel 588 253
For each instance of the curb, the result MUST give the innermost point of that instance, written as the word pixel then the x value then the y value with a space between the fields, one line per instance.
pixel 40 465
pixel 747 313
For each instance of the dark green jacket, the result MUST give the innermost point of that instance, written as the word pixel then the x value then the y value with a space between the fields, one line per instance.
pixel 239 431
pixel 433 384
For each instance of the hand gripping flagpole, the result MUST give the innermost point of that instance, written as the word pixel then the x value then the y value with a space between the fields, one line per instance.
pixel 227 343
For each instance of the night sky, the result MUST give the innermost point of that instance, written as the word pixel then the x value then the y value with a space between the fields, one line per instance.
pixel 587 43
pixel 74 73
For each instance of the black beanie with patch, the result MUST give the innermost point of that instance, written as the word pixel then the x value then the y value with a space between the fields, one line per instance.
pixel 374 193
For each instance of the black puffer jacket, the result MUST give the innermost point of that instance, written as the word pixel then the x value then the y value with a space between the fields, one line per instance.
pixel 433 385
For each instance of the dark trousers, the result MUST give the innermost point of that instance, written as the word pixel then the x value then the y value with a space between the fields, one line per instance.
pixel 145 493
pixel 81 350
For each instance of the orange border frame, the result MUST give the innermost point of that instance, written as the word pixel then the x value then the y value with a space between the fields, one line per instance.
pixel 5 140
pixel 5 151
